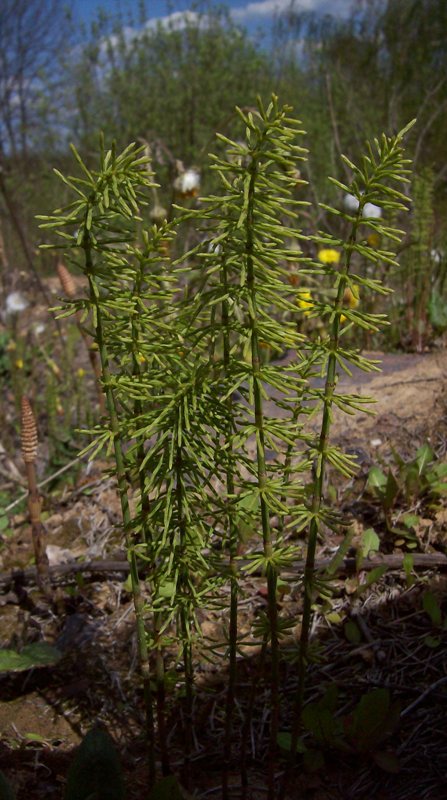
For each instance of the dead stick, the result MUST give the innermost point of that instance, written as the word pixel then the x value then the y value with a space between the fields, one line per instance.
pixel 348 566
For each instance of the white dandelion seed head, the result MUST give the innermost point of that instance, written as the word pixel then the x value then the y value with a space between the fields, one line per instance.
pixel 350 202
pixel 372 211
pixel 188 181
pixel 15 303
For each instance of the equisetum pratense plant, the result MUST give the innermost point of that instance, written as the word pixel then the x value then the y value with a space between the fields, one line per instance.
pixel 383 164
pixel 170 370
pixel 245 229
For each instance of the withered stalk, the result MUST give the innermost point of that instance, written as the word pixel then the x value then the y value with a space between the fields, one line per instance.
pixel 29 453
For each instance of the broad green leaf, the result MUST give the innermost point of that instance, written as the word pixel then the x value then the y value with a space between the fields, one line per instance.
pixel 352 632
pixel 391 491
pixel 167 789
pixel 437 311
pixel 424 456
pixel 284 741
pixel 432 641
pixel 411 520
pixel 6 790
pixel 376 479
pixel 370 542
pixel 431 607
pixel 96 770
pixel 367 723
pixel 371 578
pixel 408 564
pixel 321 723
pixel 39 654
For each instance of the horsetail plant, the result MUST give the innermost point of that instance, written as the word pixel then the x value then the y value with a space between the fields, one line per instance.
pixel 383 165
pixel 104 216
pixel 246 249
pixel 189 396
pixel 29 454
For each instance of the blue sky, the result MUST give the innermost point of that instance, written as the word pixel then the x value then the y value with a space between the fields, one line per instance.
pixel 248 14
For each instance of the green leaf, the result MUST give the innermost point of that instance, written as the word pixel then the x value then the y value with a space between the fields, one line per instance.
pixel 370 542
pixel 432 641
pixel 4 522
pixel 431 607
pixel 411 520
pixel 437 311
pixel 321 723
pixel 96 770
pixel 284 741
pixel 372 576
pixel 408 564
pixel 376 479
pixel 372 720
pixel 35 737
pixel 391 491
pixel 167 789
pixel 39 654
pixel 6 790
pixel 352 632
pixel 424 456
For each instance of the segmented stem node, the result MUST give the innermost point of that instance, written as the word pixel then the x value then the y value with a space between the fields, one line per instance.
pixel 29 432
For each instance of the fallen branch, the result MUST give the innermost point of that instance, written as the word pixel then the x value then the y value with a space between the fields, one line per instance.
pixel 348 566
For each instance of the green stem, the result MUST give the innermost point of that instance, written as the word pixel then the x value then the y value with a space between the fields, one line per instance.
pixel 262 480
pixel 317 504
pixel 233 541
pixel 148 541
pixel 138 599
pixel 184 621
pixel 254 689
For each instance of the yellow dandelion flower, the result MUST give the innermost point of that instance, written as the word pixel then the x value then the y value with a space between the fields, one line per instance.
pixel 304 301
pixel 351 297
pixel 19 363
pixel 328 256
pixel 80 373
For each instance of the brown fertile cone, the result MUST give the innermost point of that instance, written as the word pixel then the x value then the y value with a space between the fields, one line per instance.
pixel 66 280
pixel 29 433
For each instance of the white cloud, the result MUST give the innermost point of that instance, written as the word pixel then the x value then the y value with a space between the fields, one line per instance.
pixel 177 20
pixel 267 8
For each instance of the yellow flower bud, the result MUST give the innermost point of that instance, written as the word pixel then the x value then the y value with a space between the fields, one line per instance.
pixel 328 256
pixel 304 301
